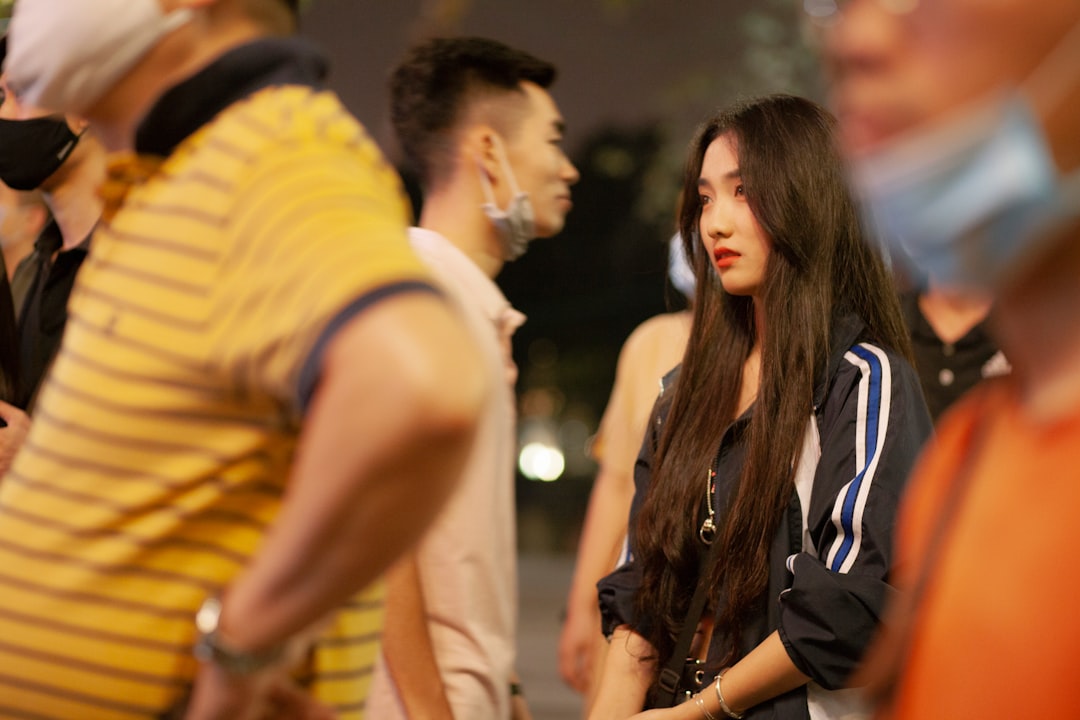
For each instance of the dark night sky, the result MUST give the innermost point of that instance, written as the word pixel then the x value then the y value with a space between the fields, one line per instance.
pixel 622 62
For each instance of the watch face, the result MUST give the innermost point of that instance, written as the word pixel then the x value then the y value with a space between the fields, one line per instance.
pixel 206 619
pixel 210 648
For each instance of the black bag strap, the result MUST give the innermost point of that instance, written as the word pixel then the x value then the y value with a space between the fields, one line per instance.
pixel 668 680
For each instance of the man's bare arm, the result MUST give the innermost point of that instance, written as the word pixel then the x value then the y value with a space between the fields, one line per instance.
pixel 407 646
pixel 384 441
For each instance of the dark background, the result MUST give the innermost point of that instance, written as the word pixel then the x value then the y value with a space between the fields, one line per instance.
pixel 636 77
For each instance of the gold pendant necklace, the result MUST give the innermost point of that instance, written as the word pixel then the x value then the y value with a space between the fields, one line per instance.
pixel 707 531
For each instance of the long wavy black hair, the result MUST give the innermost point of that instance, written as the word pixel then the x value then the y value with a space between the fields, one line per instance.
pixel 819 269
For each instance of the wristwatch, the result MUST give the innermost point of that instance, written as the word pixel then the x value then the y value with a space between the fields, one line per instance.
pixel 210 648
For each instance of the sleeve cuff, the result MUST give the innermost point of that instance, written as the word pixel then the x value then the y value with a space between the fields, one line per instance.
pixel 311 370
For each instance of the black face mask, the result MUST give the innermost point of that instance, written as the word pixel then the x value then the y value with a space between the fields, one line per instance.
pixel 32 150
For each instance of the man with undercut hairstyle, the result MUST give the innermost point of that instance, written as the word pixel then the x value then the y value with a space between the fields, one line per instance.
pixel 476 122
pixel 261 398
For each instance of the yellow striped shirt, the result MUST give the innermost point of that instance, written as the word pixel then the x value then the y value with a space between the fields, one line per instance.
pixel 164 434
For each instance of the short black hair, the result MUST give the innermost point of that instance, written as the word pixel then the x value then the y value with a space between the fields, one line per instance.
pixel 434 84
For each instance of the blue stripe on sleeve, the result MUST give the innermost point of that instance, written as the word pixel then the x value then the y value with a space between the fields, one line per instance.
pixel 869 416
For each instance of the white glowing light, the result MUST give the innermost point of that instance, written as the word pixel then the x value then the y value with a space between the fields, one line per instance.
pixel 538 461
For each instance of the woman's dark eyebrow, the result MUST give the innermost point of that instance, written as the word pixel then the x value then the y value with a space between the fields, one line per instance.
pixel 735 174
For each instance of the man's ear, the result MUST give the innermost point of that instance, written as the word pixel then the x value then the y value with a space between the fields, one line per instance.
pixel 482 144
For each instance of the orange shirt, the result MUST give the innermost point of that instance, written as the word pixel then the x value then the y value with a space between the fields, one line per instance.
pixel 997 631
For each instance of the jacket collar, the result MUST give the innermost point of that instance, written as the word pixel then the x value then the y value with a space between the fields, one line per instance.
pixel 235 75
pixel 847 330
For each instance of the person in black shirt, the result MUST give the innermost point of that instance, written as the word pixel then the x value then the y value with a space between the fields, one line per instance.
pixel 950 341
pixel 23 215
pixel 7 341
pixel 55 154
pixel 13 422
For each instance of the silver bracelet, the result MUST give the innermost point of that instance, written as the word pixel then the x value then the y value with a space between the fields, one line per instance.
pixel 704 710
pixel 720 696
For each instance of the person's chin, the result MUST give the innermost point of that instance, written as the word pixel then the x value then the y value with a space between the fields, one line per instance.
pixel 735 287
pixel 546 230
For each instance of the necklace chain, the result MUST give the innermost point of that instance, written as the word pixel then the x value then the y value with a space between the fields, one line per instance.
pixel 707 531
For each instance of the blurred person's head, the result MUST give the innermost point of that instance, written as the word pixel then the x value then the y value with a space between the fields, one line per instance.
pixel 34 144
pixel 476 111
pixel 111 59
pixel 960 117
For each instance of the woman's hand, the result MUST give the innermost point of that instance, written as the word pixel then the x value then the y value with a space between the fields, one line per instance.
pixel 626 677
pixel 658 714
pixel 685 711
pixel 577 646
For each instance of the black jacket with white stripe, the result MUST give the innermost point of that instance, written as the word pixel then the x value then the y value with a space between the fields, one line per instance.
pixel 829 564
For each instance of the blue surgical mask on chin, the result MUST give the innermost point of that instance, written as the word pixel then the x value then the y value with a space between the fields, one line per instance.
pixel 968 199
pixel 516 224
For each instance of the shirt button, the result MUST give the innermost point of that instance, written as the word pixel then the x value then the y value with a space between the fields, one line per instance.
pixel 948 350
pixel 946 377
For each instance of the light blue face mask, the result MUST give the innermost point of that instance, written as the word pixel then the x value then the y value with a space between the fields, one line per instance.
pixel 968 200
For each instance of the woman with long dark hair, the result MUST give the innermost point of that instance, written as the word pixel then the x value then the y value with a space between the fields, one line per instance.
pixel 793 421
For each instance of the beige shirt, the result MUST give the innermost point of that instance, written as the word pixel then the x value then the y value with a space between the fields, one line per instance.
pixel 468 559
